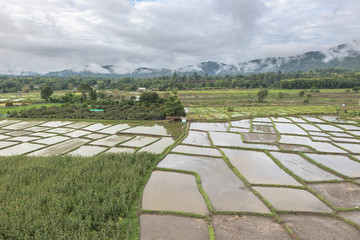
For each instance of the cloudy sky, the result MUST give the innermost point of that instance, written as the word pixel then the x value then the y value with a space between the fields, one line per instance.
pixel 46 35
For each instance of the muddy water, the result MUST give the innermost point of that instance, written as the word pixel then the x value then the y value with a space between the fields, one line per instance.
pixel 308 226
pixel 341 164
pixel 18 133
pixel 153 130
pixel 3 137
pixel 8 122
pixel 303 168
pixel 332 118
pixel 297 120
pixel 96 127
pixel 139 141
pixel 239 130
pixel 258 168
pixel 164 227
pixel 24 139
pixel 20 149
pixel 337 134
pixel 289 199
pixel 329 128
pixel 37 129
pixel 310 127
pixel 114 129
pixel 340 139
pixel 248 227
pixel 241 124
pixel 263 129
pixel 79 125
pixel 319 134
pixel 173 192
pixel 22 125
pixel 353 216
pixel 281 119
pixel 111 140
pixel 87 151
pixel 262 124
pixel 60 130
pixel 262 120
pixel 197 138
pixel 356 133
pixel 52 140
pixel 288 128
pixel 295 148
pixel 60 148
pixel 223 187
pixel 321 139
pixel 159 146
pixel 349 127
pixel 355 148
pixel 234 140
pixel 319 146
pixel 120 150
pixel 77 133
pixel 209 126
pixel 343 195
pixel 4 144
pixel 96 136
pixel 42 134
pixel 313 119
pixel 258 137
pixel 55 124
pixel 197 150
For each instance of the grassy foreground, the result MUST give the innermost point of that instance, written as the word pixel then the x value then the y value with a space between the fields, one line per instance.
pixel 71 197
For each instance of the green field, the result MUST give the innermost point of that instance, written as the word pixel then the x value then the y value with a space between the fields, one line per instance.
pixel 214 104
pixel 72 197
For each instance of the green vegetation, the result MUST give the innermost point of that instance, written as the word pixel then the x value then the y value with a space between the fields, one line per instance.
pixel 320 78
pixel 262 94
pixel 46 92
pixel 149 107
pixel 71 197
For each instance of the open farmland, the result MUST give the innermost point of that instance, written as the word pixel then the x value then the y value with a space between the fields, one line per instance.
pixel 261 178
pixel 214 104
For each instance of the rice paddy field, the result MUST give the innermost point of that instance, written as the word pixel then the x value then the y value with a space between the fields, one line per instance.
pixel 214 104
pixel 278 169
pixel 260 178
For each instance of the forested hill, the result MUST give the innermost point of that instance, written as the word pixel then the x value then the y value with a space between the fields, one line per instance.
pixel 345 56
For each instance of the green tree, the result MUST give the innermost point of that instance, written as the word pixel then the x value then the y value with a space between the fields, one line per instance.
pixel 93 95
pixel 301 93
pixel 46 92
pixel 262 94
pixel 84 88
pixel 173 107
pixel 149 98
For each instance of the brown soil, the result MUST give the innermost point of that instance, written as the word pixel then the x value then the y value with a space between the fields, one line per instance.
pixel 309 227
pixel 258 137
pixel 344 195
pixel 165 227
pixel 264 129
pixel 287 147
pixel 248 227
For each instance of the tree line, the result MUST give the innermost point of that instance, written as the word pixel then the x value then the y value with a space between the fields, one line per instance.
pixel 321 78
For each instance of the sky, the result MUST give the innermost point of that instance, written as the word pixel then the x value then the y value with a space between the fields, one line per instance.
pixel 51 35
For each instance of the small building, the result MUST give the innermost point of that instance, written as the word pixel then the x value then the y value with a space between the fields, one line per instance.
pixel 142 89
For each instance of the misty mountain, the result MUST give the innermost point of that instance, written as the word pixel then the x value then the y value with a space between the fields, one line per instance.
pixel 345 56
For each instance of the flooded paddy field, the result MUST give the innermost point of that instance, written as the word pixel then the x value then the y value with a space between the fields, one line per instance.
pixel 302 168
pixel 41 138
pixel 260 178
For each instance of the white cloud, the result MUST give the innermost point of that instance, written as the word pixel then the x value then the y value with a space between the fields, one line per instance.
pixel 51 35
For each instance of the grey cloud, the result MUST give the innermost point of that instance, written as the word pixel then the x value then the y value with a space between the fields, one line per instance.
pixel 85 34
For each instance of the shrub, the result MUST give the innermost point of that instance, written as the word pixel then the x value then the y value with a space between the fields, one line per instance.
pixel 301 93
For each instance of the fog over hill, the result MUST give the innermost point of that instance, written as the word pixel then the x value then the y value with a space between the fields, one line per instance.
pixel 346 56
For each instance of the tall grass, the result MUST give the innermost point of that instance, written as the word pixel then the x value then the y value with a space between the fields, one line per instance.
pixel 70 197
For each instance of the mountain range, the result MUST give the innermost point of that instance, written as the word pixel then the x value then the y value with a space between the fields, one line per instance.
pixel 345 56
